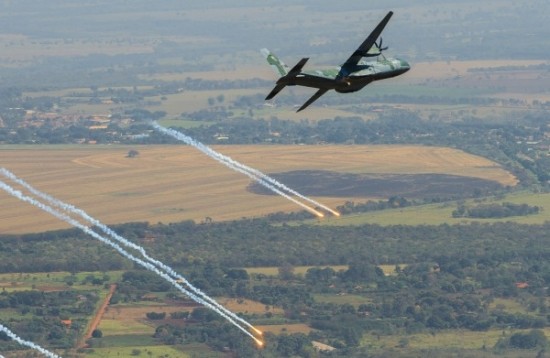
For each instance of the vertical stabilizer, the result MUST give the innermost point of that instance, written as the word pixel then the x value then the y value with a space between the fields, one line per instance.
pixel 278 65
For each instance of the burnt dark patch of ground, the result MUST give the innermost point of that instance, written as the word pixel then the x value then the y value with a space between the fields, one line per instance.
pixel 415 186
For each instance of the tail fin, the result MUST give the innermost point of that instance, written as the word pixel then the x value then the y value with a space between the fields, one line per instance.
pixel 278 65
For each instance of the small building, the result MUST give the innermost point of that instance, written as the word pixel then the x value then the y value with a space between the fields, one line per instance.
pixel 321 347
pixel 522 285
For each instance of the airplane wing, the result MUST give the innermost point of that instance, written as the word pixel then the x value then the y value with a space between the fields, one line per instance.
pixel 313 98
pixel 367 44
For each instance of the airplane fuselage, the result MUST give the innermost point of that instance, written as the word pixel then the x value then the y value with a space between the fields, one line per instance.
pixel 349 79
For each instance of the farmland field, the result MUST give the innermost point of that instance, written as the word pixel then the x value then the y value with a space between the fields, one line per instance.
pixel 245 306
pixel 174 183
pixel 125 328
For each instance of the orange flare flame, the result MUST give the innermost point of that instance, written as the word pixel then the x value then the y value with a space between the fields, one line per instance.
pixel 259 343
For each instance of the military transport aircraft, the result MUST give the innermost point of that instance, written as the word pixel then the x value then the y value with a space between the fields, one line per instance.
pixel 352 76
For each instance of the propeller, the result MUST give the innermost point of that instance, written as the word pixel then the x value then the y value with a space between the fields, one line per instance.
pixel 379 45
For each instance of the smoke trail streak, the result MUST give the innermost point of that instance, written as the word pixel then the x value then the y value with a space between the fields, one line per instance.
pixel 147 265
pixel 252 173
pixel 29 344
pixel 72 209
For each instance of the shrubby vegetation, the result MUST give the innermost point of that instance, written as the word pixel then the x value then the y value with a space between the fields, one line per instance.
pixel 371 205
pixel 488 211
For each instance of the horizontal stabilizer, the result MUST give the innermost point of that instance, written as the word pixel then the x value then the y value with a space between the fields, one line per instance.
pixel 295 71
pixel 313 98
pixel 274 92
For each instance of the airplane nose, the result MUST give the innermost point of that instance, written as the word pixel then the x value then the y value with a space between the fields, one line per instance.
pixel 404 65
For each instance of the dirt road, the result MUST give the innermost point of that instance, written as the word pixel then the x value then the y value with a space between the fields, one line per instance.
pixel 97 318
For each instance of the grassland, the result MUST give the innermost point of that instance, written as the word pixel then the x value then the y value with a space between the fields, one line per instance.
pixel 436 214
pixel 298 270
pixel 190 101
pixel 52 281
pixel 508 305
pixel 174 183
pixel 302 270
pixel 148 351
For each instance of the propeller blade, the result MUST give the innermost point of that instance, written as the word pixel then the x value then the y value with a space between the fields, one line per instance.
pixel 380 45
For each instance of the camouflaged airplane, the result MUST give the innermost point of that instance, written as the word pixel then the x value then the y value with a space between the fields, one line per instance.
pixel 352 76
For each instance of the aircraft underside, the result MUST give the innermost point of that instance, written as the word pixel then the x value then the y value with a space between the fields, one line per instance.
pixel 343 85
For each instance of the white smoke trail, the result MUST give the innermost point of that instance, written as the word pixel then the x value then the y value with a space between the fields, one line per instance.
pixel 252 173
pixel 72 209
pixel 147 265
pixel 29 344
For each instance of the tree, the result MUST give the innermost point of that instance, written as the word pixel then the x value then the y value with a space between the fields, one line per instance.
pixel 156 315
pixel 4 336
pixel 533 339
pixel 97 333
pixel 286 272
pixel 292 345
pixel 132 153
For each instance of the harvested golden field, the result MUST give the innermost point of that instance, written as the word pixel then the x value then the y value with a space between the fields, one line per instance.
pixel 248 306
pixel 119 320
pixel 285 328
pixel 174 183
